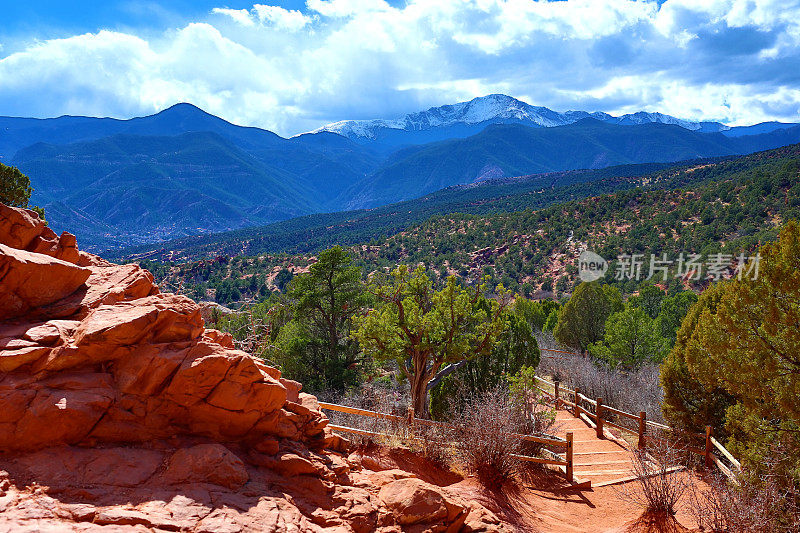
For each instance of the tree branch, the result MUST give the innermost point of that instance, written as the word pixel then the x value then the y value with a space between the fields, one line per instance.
pixel 444 372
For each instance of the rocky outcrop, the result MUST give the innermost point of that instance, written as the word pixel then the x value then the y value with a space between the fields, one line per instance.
pixel 24 230
pixel 119 409
pixel 98 355
pixel 29 280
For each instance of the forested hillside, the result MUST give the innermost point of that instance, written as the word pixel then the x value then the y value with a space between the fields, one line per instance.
pixel 513 149
pixel 313 232
pixel 170 185
pixel 724 206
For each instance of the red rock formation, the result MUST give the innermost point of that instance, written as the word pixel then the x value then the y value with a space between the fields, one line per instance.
pixel 119 409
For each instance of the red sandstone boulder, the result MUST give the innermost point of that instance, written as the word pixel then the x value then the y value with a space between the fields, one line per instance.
pixel 412 501
pixel 106 285
pixel 288 464
pixel 67 248
pixel 206 463
pixel 119 467
pixel 24 230
pixel 62 415
pixel 162 373
pixel 45 243
pixel 19 227
pixel 223 339
pixel 31 280
pixel 12 359
pixel 154 319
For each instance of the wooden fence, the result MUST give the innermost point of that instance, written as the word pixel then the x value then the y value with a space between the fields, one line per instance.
pixel 592 410
pixel 564 464
pixel 599 415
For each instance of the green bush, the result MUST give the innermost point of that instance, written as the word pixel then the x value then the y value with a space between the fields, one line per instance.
pixel 15 187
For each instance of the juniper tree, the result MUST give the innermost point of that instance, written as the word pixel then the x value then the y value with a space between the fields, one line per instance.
pixel 427 332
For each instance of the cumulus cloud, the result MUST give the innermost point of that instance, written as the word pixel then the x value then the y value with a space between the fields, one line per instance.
pixel 347 8
pixel 275 16
pixel 242 16
pixel 294 70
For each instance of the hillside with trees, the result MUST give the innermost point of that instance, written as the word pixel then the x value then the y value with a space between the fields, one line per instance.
pixel 723 207
pixel 184 172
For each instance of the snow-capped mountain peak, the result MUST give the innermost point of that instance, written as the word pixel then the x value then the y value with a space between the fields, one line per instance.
pixel 482 109
pixel 643 117
pixel 495 108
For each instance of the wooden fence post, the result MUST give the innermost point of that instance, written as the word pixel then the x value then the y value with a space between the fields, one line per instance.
pixel 556 384
pixel 599 418
pixel 410 420
pixel 707 453
pixel 568 456
pixel 642 430
pixel 577 403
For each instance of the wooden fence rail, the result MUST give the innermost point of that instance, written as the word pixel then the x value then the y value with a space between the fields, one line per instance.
pixel 596 412
pixel 565 463
pixel 360 412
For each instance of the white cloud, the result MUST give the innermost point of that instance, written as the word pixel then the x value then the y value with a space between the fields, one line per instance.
pixel 242 16
pixel 347 8
pixel 290 70
pixel 266 15
pixel 279 17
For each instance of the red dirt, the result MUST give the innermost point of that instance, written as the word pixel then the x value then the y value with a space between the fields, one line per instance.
pixel 552 510
pixel 540 503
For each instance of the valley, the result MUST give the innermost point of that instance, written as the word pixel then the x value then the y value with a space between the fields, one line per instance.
pixel 516 232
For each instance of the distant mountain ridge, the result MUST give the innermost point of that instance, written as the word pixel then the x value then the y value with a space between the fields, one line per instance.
pixel 179 172
pixel 504 150
pixel 184 172
pixel 311 233
pixel 501 109
pixel 494 107
pixel 18 133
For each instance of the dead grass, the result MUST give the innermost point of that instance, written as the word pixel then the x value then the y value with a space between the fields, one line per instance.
pixel 485 443
pixel 659 479
pixel 758 504
pixel 632 391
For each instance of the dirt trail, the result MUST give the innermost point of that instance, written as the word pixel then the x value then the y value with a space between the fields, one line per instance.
pixel 537 506
pixel 603 508
pixel 601 461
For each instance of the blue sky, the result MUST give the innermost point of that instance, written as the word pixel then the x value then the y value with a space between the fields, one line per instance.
pixel 28 20
pixel 292 66
pixel 91 15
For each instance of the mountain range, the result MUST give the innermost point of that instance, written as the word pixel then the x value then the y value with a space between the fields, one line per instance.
pixel 467 118
pixel 186 172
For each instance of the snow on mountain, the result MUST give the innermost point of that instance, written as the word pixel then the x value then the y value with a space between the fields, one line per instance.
pixel 497 108
pixel 492 107
pixel 643 117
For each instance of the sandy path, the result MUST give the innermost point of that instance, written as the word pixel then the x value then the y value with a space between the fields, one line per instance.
pixel 540 503
pixel 600 461
pixel 533 509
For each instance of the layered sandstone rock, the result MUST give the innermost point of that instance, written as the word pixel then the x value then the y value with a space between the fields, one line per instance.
pixel 119 409
pixel 24 230
pixel 98 355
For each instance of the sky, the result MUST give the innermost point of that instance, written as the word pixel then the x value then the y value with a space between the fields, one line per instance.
pixel 295 65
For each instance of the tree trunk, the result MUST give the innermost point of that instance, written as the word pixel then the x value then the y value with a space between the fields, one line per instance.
pixel 419 396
